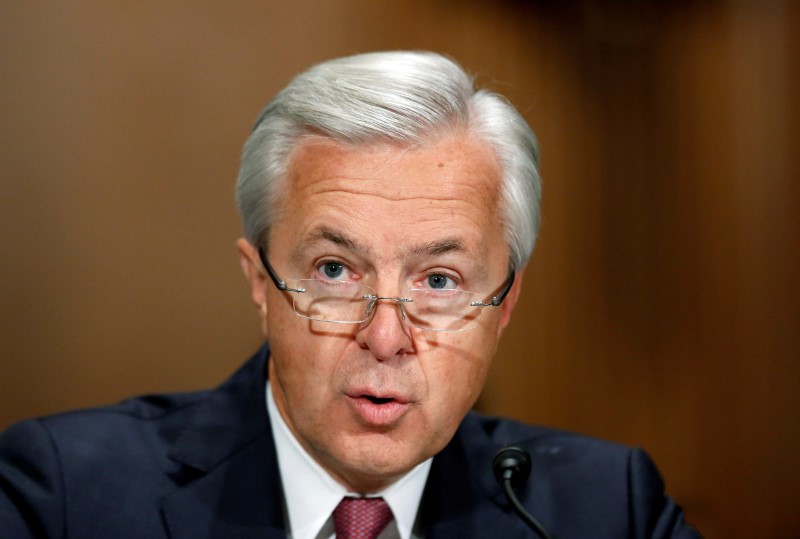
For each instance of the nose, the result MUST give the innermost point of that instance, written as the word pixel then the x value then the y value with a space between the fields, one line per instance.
pixel 385 334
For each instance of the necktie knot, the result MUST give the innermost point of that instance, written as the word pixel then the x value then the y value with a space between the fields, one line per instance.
pixel 361 518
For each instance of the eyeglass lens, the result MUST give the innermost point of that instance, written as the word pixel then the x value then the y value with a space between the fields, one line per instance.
pixel 345 302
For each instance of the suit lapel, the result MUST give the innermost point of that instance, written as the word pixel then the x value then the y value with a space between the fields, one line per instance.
pixel 228 477
pixel 239 499
pixel 462 499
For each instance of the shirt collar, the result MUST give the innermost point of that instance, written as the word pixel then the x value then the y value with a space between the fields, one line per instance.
pixel 311 494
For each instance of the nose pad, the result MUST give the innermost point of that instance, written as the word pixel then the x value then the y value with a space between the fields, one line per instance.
pixel 374 302
pixel 370 306
pixel 385 333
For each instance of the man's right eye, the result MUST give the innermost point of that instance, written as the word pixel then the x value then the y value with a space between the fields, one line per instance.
pixel 332 270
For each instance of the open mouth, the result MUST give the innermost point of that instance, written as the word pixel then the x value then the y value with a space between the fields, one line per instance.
pixel 378 400
pixel 375 411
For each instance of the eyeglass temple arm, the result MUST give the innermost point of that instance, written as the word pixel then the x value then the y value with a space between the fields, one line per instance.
pixel 498 299
pixel 282 286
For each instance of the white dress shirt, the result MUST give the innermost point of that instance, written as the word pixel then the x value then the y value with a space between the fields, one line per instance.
pixel 311 494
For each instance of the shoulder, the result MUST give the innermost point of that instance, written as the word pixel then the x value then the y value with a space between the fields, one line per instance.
pixel 563 459
pixel 153 410
pixel 580 482
pixel 539 440
pixel 88 457
pixel 66 473
pixel 152 417
pixel 83 439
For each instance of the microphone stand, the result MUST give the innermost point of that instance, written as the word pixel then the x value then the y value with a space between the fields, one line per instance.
pixel 512 466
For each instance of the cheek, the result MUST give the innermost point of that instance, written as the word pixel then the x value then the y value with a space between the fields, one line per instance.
pixel 303 363
pixel 456 372
pixel 311 351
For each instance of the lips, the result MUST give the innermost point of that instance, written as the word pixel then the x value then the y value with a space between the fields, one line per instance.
pixel 379 410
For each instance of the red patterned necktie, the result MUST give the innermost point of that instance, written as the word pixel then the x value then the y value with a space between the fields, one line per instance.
pixel 361 518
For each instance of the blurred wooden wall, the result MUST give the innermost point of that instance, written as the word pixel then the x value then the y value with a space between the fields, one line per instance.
pixel 661 305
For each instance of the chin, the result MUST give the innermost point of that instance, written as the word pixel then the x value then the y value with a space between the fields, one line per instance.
pixel 375 463
pixel 366 477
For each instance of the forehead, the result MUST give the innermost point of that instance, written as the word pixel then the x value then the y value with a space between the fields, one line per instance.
pixel 385 195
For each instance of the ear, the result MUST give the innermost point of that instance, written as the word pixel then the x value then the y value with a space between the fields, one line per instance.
pixel 510 302
pixel 256 278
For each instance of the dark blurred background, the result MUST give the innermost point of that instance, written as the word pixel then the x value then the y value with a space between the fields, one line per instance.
pixel 660 309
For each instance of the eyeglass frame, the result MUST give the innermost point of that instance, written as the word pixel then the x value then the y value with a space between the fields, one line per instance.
pixel 281 285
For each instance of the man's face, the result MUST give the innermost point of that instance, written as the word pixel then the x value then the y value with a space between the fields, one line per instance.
pixel 390 218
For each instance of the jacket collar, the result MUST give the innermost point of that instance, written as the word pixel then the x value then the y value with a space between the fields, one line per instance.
pixel 462 498
pixel 230 482
pixel 232 416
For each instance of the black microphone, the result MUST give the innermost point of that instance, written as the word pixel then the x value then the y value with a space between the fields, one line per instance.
pixel 512 466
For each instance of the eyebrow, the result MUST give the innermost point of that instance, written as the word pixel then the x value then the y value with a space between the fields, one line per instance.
pixel 324 233
pixel 431 248
pixel 439 247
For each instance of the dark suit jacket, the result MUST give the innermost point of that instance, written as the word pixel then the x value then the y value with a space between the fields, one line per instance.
pixel 203 465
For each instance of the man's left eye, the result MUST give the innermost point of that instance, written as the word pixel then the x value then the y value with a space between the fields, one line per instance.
pixel 437 281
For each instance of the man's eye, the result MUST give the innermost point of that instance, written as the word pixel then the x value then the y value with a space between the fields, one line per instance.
pixel 332 270
pixel 437 281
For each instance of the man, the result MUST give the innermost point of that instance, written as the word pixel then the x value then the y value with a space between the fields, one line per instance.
pixel 389 211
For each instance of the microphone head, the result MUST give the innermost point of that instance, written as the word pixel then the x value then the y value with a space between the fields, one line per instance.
pixel 512 462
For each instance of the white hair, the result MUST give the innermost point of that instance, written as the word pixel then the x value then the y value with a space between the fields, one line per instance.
pixel 399 97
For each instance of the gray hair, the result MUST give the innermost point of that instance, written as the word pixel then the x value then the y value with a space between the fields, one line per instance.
pixel 399 97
